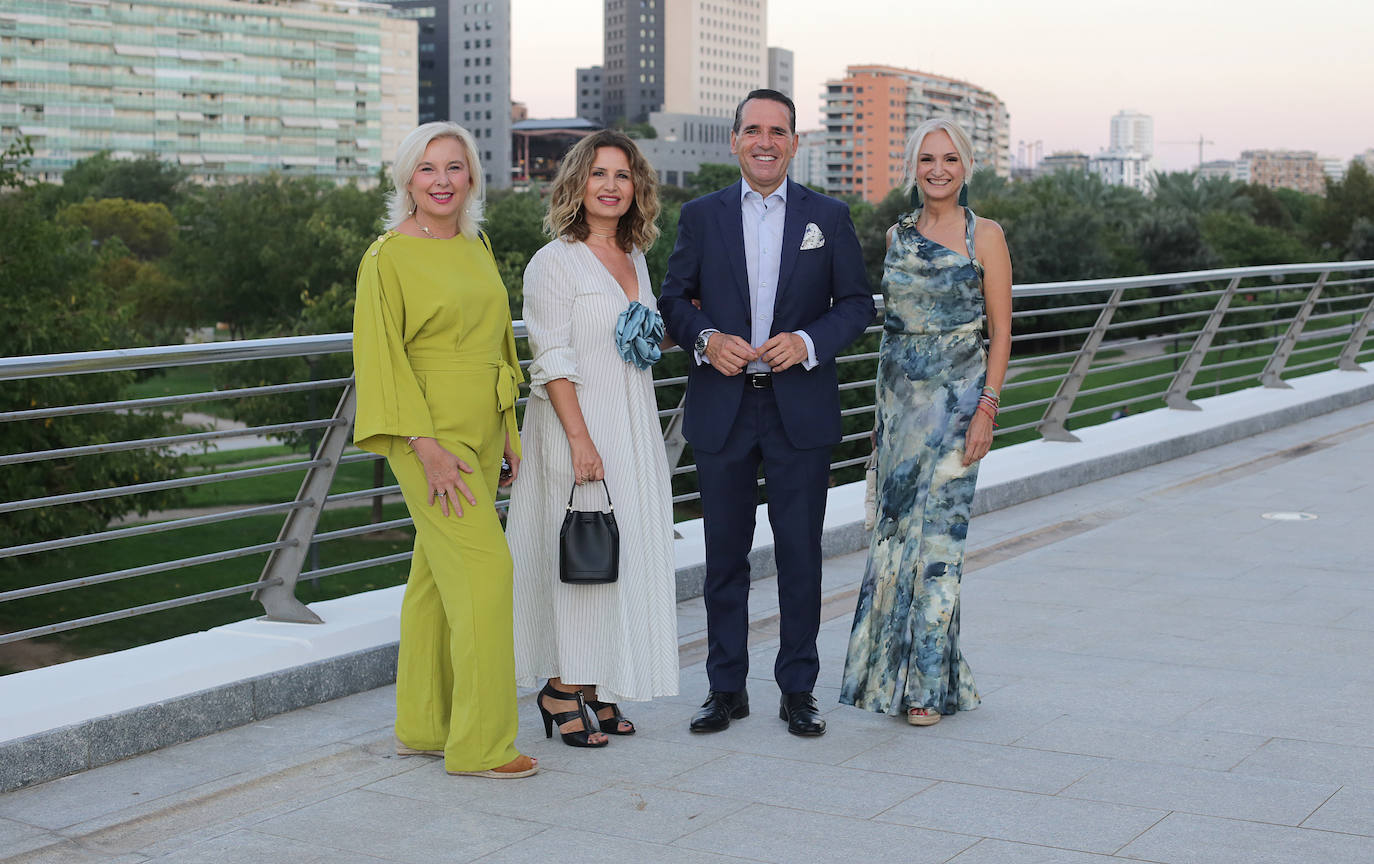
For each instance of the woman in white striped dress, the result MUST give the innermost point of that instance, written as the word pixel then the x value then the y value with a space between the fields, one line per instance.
pixel 592 416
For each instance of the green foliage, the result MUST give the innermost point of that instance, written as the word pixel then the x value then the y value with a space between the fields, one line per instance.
pixel 253 248
pixel 55 302
pixel 148 179
pixel 1347 201
pixel 1239 242
pixel 515 225
pixel 12 161
pixel 712 176
pixel 148 230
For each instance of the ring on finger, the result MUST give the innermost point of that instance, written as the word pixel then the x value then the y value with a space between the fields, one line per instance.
pixel 441 493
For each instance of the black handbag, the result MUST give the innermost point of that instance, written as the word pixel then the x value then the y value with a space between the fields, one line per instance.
pixel 589 544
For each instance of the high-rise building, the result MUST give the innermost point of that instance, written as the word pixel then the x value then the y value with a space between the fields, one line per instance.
pixel 780 75
pixel 1122 168
pixel 1286 169
pixel 632 62
pixel 588 93
pixel 682 57
pixel 464 73
pixel 225 89
pixel 1133 132
pixel 808 166
pixel 870 112
pixel 1063 160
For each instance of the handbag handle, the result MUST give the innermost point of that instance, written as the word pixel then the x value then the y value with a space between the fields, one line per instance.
pixel 609 503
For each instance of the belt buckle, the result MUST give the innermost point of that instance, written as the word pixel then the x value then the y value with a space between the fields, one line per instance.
pixel 760 380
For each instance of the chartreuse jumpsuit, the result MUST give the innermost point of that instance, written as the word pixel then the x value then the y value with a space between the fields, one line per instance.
pixel 434 355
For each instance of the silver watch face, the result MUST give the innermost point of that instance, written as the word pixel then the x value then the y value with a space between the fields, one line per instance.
pixel 701 342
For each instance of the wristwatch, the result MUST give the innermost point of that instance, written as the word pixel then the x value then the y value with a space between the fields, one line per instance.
pixel 702 338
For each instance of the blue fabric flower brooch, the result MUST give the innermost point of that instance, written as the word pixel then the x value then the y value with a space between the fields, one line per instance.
pixel 638 332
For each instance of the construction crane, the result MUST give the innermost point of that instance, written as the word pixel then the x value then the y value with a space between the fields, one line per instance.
pixel 1201 142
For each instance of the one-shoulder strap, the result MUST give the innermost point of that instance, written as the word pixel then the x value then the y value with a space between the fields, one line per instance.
pixel 970 221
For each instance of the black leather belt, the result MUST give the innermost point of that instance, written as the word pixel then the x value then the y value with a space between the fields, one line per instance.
pixel 759 380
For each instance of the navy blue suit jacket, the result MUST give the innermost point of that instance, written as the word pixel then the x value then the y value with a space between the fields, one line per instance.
pixel 823 291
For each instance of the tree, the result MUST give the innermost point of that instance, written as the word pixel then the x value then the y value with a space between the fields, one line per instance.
pixel 712 176
pixel 147 179
pixel 12 161
pixel 1183 190
pixel 251 249
pixel 54 302
pixel 147 229
pixel 1347 201
pixel 1239 242
pixel 1170 241
pixel 515 226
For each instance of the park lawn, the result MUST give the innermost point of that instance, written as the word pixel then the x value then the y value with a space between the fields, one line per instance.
pixel 275 487
pixel 139 551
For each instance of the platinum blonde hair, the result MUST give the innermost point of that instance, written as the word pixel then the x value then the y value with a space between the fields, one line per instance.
pixel 963 145
pixel 400 205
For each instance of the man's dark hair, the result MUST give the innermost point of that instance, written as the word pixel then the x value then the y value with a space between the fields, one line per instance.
pixel 772 96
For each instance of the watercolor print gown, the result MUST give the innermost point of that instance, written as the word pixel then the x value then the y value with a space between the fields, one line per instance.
pixel 904 646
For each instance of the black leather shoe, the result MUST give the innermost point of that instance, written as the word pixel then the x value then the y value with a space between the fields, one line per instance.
pixel 799 710
pixel 719 709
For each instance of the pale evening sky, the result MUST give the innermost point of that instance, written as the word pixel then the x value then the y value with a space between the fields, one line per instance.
pixel 1295 74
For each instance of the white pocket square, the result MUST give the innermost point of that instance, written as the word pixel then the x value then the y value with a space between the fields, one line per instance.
pixel 813 239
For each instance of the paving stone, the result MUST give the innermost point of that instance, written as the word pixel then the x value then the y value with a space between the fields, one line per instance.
pixel 636 812
pixel 1211 793
pixel 976 763
pixel 400 829
pixel 240 801
pixel 1218 751
pixel 16 837
pixel 1047 820
pixel 1002 852
pixel 802 786
pixel 560 846
pixel 1185 838
pixel 100 791
pixel 1351 811
pixel 1313 761
pixel 250 847
pixel 785 836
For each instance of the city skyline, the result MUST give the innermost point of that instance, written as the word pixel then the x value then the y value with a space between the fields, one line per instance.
pixel 1247 75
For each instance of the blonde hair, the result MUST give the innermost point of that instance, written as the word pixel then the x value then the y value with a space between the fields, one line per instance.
pixel 963 145
pixel 400 205
pixel 566 217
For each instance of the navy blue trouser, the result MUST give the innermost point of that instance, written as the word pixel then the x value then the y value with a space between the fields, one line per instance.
pixel 797 483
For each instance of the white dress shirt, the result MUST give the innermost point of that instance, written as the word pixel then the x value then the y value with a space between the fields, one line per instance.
pixel 763 222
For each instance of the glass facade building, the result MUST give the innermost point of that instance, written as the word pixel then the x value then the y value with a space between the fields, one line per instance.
pixel 226 89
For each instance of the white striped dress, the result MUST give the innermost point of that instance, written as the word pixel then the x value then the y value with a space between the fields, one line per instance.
pixel 622 637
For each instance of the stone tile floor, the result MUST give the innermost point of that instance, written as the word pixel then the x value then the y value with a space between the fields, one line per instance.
pixel 1166 676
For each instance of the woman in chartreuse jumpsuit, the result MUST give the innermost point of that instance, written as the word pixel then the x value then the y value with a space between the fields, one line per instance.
pixel 437 378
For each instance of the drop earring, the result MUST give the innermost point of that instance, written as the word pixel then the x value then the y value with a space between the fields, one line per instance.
pixel 963 195
pixel 915 197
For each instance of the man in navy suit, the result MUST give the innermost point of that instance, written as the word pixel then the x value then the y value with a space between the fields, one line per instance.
pixel 779 278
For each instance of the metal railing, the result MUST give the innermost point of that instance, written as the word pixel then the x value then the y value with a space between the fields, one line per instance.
pixel 1083 353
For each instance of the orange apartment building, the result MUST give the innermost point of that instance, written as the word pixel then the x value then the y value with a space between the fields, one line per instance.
pixel 870 112
pixel 1287 169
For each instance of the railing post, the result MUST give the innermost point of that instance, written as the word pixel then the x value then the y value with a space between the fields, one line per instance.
pixel 1272 376
pixel 1352 345
pixel 1177 394
pixel 1051 426
pixel 279 600
pixel 673 441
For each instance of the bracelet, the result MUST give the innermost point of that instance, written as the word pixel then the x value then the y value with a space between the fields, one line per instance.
pixel 412 439
pixel 992 414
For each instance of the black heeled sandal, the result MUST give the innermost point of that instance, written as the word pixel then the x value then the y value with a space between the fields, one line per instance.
pixel 611 725
pixel 578 738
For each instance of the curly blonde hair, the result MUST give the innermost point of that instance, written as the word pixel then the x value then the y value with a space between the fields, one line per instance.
pixel 566 217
